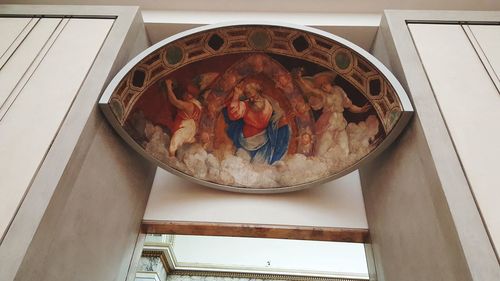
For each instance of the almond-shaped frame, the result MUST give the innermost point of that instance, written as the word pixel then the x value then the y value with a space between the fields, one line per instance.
pixel 392 104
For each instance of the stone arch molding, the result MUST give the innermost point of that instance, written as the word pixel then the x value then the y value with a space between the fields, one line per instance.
pixel 257 108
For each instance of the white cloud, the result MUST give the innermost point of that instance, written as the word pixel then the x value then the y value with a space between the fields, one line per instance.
pixel 237 170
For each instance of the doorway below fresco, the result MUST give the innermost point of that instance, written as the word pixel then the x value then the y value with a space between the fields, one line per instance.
pixel 191 257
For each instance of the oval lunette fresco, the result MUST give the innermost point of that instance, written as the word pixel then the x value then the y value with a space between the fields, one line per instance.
pixel 256 107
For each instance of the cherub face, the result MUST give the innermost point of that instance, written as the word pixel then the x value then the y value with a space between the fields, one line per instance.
pixel 228 81
pixel 231 79
pixel 301 107
pixel 283 79
pixel 257 64
pixel 205 137
pixel 306 138
pixel 326 87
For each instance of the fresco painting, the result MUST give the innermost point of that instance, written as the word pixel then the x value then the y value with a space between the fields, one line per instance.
pixel 247 120
pixel 255 108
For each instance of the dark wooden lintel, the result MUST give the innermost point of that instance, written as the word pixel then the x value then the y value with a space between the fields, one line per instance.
pixel 337 234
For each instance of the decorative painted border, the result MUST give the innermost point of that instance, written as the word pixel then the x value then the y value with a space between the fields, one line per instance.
pixel 275 40
pixel 391 102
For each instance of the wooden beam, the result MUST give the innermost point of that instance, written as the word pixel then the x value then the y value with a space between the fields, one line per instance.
pixel 337 234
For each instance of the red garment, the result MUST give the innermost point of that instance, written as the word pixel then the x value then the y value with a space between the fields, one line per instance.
pixel 254 121
pixel 182 115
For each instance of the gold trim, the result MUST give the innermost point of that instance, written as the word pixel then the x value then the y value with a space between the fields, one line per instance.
pixel 259 276
pixel 158 254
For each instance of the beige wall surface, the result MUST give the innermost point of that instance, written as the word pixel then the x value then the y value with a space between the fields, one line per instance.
pixel 360 29
pixel 41 97
pixel 21 64
pixel 410 232
pixel 80 218
pixel 361 35
pixel 335 204
pixel 423 218
pixel 356 20
pixel 321 6
pixel 11 30
pixel 90 229
pixel 488 44
pixel 470 104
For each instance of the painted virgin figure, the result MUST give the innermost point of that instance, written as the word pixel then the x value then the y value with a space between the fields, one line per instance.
pixel 255 126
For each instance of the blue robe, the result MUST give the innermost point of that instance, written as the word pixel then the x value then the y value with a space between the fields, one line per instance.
pixel 276 143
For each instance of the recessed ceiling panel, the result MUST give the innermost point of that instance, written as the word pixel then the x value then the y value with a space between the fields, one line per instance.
pixel 256 108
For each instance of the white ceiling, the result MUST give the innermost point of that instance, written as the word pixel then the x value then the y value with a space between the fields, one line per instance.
pixel 277 256
pixel 322 6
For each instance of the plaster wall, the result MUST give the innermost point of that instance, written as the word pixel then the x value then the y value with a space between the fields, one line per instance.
pixel 356 20
pixel 335 204
pixel 81 216
pixel 423 218
pixel 469 105
pixel 315 6
pixel 416 202
pixel 32 89
pixel 360 29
